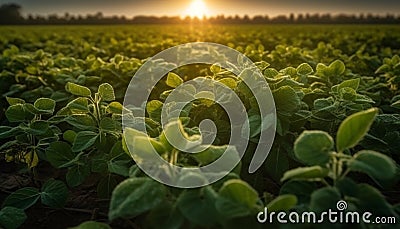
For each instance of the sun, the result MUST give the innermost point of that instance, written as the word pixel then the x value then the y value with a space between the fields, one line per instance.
pixel 197 9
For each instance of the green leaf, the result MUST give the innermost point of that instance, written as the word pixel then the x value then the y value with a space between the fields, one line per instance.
pixel 78 90
pixel 16 113
pixel 120 167
pixel 336 68
pixel 54 193
pixel 313 147
pixel 38 127
pixel 197 205
pixel 277 163
pixel 300 188
pixel 92 225
pixel 240 192
pixel 376 165
pixel 22 198
pixel 6 131
pixel 396 104
pixel 32 109
pixel 271 73
pixel 282 203
pixel 352 83
pixel 286 99
pixel 77 174
pixel 106 185
pixel 135 196
pixel 45 105
pixel 168 214
pixel 69 136
pixel 308 173
pixel 108 124
pixel 353 129
pixel 84 140
pixel 106 92
pixel 154 108
pixel 14 101
pixel 12 218
pixel 114 108
pixel 371 199
pixel 82 121
pixel 324 199
pixel 79 105
pixel 209 155
pixel 304 69
pixel 59 154
pixel 229 82
pixel 173 80
pixel 215 68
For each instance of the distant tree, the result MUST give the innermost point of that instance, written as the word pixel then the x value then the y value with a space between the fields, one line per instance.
pixel 10 14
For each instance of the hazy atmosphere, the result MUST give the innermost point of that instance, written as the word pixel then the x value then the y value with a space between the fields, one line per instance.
pixel 131 8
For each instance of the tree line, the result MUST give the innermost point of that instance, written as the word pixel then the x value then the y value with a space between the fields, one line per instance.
pixel 10 14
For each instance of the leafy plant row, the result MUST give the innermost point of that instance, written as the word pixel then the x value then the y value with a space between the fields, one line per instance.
pixel 337 130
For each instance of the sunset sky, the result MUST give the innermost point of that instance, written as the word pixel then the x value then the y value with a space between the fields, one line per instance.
pixel 131 8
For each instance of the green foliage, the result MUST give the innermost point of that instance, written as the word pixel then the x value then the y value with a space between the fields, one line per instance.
pixel 313 147
pixel 135 196
pixel 354 128
pixel 336 165
pixel 53 194
pixel 11 217
pixel 92 225
pixel 62 108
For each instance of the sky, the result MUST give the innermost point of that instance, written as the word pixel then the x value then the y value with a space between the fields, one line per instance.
pixel 272 8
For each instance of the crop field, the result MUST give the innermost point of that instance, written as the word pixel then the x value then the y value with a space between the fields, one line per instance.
pixel 66 160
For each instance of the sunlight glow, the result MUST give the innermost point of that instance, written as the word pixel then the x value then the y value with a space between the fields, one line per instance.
pixel 197 9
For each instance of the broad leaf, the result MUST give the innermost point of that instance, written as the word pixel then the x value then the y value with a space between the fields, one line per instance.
pixel 69 136
pixel 324 199
pixel 77 174
pixel 313 147
pixel 168 214
pixel 154 109
pixel 45 105
pixel 286 99
pixel 307 173
pixel 106 185
pixel 304 69
pixel 79 105
pixel 336 68
pixel 353 129
pixel 38 127
pixel 135 196
pixel 282 203
pixel 11 217
pixel 22 198
pixel 173 80
pixel 78 90
pixel 92 225
pixel 197 205
pixel 376 165
pixel 353 83
pixel 114 107
pixel 84 140
pixel 240 192
pixel 54 193
pixel 59 154
pixel 16 113
pixel 106 92
pixel 14 101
